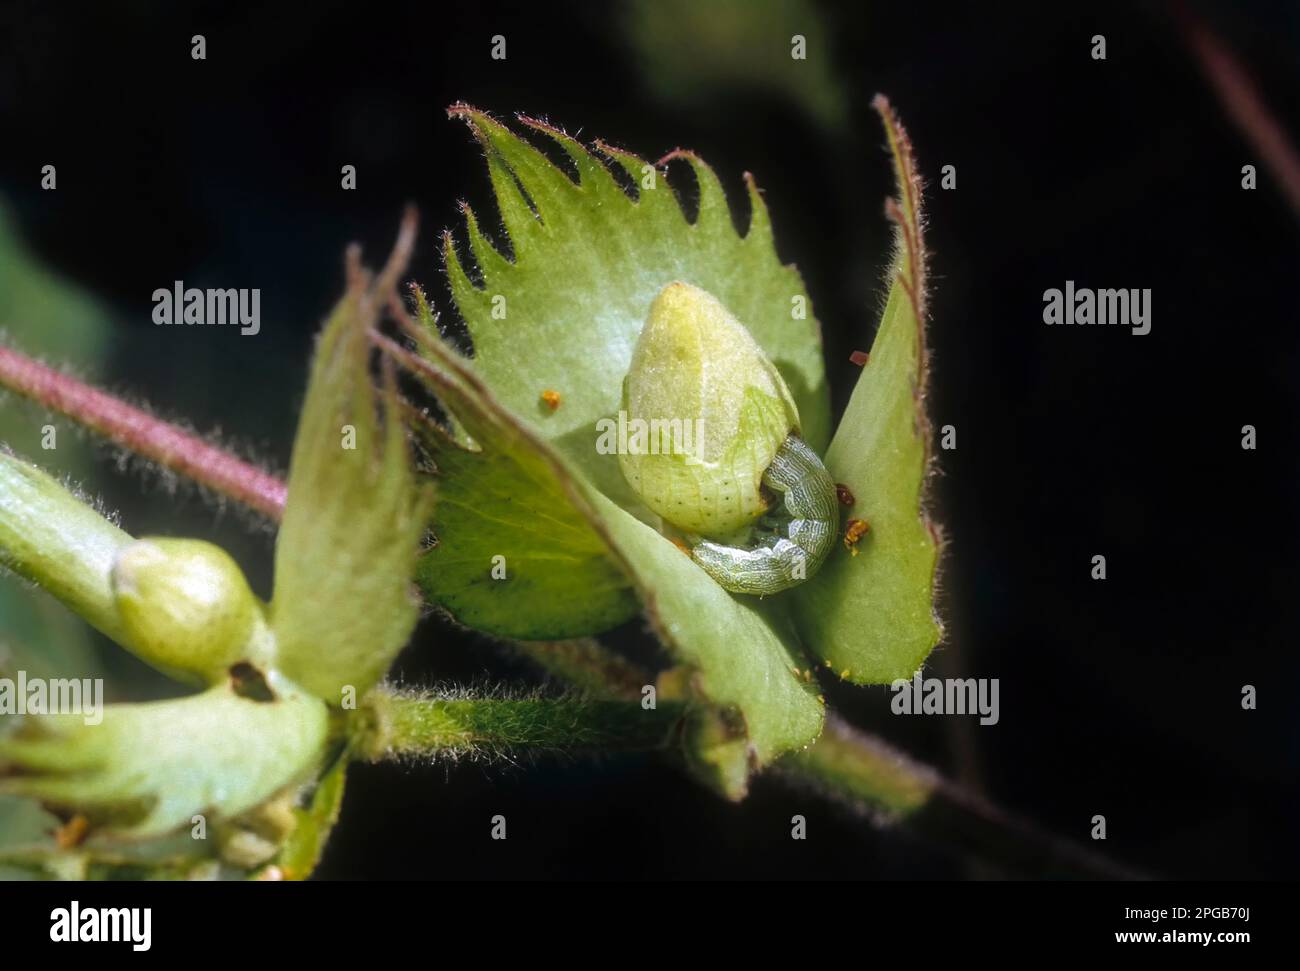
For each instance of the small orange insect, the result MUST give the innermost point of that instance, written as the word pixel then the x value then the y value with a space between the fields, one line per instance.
pixel 551 399
pixel 856 529
pixel 72 832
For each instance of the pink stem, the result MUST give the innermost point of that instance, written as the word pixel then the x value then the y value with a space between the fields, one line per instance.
pixel 1243 103
pixel 140 432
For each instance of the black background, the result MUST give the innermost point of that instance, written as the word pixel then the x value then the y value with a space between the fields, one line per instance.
pixel 1118 697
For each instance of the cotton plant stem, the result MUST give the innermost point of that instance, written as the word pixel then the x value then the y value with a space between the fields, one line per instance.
pixel 854 769
pixel 146 435
pixel 415 725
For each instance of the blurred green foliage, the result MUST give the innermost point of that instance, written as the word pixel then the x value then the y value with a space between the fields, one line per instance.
pixel 45 315
pixel 691 52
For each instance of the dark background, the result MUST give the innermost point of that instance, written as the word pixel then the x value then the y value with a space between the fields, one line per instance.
pixel 1119 697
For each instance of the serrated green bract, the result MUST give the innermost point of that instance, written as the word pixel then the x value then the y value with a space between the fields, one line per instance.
pixel 565 314
pixel 870 616
pixel 342 605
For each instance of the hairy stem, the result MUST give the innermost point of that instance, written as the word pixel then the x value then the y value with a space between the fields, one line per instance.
pixel 53 538
pixel 401 725
pixel 171 447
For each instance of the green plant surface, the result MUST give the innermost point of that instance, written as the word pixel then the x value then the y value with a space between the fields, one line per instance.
pixel 870 617
pixel 343 605
pixel 460 724
pixel 313 824
pixel 150 767
pixel 26 833
pixel 52 538
pixel 511 496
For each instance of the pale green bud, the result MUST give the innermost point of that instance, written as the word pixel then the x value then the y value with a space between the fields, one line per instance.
pixel 186 608
pixel 706 412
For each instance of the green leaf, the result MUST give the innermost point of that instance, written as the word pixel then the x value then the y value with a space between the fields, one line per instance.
pixel 870 617
pixel 588 261
pixel 343 604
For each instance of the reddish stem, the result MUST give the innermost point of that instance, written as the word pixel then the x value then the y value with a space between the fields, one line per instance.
pixel 134 429
pixel 1243 103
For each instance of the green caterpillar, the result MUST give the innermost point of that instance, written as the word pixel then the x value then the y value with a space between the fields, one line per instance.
pixel 809 516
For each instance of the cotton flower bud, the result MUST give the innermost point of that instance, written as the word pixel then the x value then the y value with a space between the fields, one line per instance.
pixel 706 411
pixel 185 607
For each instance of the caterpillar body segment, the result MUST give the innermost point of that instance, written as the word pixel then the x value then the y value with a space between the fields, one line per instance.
pixel 808 515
